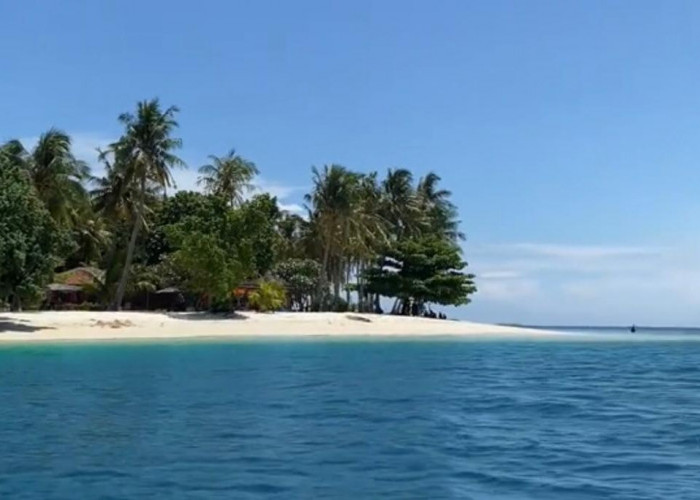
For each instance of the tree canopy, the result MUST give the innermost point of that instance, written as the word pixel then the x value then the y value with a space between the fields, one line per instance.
pixel 363 235
pixel 30 240
pixel 419 271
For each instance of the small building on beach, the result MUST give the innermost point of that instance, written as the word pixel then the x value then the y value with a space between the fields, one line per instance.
pixel 58 294
pixel 73 287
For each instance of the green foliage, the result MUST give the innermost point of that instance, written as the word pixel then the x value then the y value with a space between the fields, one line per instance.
pixel 293 232
pixel 271 296
pixel 207 268
pixel 189 211
pixel 58 177
pixel 301 277
pixel 145 237
pixel 144 155
pixel 29 239
pixel 228 177
pixel 422 270
pixel 258 232
pixel 211 246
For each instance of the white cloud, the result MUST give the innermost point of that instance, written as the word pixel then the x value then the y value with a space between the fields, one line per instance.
pixel 499 275
pixel 596 284
pixel 85 147
pixel 294 208
pixel 281 191
pixel 507 290
pixel 568 252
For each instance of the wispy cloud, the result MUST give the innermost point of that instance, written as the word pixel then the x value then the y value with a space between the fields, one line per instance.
pixel 281 191
pixel 569 252
pixel 499 275
pixel 542 282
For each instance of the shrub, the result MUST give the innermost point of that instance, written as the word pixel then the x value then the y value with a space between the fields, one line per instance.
pixel 271 296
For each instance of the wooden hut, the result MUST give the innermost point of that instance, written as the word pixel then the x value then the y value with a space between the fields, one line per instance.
pixel 58 294
pixel 73 287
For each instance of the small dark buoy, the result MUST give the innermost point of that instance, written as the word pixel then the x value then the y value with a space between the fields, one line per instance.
pixel 633 329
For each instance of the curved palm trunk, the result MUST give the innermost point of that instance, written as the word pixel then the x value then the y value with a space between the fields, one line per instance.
pixel 121 289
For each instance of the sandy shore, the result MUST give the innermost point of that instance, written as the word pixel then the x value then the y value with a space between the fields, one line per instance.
pixel 70 325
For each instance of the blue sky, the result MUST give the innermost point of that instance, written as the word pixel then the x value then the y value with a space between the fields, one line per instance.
pixel 568 131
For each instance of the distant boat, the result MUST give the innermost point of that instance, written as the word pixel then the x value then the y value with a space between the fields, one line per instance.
pixel 633 329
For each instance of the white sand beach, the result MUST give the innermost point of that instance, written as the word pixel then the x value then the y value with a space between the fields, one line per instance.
pixel 90 326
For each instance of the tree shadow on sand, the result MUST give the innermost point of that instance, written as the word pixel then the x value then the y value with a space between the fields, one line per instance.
pixel 19 325
pixel 198 316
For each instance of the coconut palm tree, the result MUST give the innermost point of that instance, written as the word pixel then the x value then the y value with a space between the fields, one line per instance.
pixel 228 176
pixel 145 154
pixel 346 222
pixel 332 203
pixel 57 175
pixel 292 230
pixel 400 204
pixel 436 205
pixel 369 235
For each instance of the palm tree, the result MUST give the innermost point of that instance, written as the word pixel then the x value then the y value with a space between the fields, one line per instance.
pixel 332 201
pixel 369 235
pixel 57 175
pixel 145 156
pixel 292 230
pixel 400 203
pixel 436 204
pixel 346 221
pixel 228 176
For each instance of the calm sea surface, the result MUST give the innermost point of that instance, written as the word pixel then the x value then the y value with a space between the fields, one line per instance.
pixel 353 419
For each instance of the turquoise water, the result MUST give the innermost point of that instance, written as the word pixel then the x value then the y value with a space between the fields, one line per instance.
pixel 352 419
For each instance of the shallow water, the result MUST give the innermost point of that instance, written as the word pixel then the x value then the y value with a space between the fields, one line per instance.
pixel 352 419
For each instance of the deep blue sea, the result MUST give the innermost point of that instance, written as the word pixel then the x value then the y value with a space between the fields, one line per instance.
pixel 403 419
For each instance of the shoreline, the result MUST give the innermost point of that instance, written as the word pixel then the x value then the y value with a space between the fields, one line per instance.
pixel 53 326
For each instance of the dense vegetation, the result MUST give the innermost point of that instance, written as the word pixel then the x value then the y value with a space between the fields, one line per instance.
pixel 363 236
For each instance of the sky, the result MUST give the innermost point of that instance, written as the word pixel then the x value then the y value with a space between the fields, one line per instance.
pixel 567 131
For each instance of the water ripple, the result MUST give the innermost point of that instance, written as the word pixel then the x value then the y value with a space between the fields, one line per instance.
pixel 440 420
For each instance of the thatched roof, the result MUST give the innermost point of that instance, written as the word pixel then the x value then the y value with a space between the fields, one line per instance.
pixel 81 276
pixel 61 288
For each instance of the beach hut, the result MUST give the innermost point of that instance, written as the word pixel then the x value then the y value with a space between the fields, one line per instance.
pixel 73 287
pixel 81 276
pixel 58 294
pixel 170 298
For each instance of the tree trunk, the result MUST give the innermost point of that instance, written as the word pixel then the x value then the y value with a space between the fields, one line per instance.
pixel 117 305
pixel 322 283
pixel 348 272
pixel 360 287
pixel 105 294
pixel 336 288
pixel 16 304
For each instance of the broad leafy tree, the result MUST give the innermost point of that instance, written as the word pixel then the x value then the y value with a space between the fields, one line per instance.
pixel 30 240
pixel 420 271
pixel 301 277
